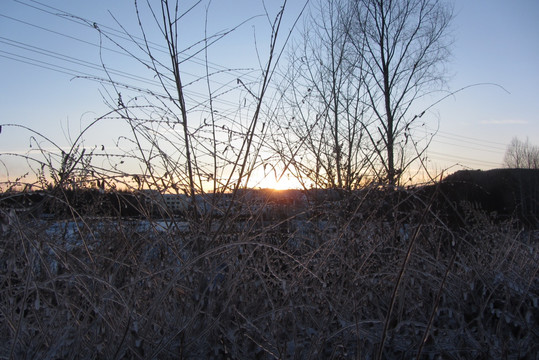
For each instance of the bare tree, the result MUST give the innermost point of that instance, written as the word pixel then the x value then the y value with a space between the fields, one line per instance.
pixel 214 145
pixel 183 141
pixel 402 45
pixel 522 155
pixel 350 89
pixel 320 130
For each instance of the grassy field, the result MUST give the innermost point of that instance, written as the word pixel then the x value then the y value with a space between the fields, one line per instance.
pixel 333 281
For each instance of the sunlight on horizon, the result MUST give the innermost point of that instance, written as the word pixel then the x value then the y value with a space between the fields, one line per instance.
pixel 284 183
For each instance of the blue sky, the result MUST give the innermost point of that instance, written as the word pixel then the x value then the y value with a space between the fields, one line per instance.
pixel 496 42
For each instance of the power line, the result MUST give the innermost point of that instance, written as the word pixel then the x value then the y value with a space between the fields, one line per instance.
pixel 474 140
pixel 484 149
pixel 101 47
pixel 446 157
pixel 73 60
pixel 59 33
pixel 191 95
pixel 43 64
pixel 92 76
pixel 139 41
pixel 72 72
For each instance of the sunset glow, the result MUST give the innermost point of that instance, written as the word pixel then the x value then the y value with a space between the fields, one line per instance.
pixel 284 183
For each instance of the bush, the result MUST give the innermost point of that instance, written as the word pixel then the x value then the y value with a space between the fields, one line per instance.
pixel 329 286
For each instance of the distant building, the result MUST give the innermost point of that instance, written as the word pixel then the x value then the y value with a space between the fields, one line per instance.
pixel 176 202
pixel 165 203
pixel 151 199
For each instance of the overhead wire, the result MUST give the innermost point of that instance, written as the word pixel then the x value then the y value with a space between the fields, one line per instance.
pixel 73 60
pixel 92 76
pixel 451 158
pixel 458 142
pixel 453 136
pixel 192 95
pixel 468 147
pixel 121 34
pixel 99 67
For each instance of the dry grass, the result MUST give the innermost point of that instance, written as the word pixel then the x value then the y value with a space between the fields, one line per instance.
pixel 319 287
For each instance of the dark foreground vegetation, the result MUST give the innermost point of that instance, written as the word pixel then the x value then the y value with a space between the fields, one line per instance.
pixel 417 273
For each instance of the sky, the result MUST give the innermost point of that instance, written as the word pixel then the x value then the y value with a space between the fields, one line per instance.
pixel 50 57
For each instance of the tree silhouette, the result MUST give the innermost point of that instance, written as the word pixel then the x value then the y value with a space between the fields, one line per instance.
pixel 402 45
pixel 522 155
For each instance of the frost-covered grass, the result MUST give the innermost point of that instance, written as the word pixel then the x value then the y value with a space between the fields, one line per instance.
pixel 310 287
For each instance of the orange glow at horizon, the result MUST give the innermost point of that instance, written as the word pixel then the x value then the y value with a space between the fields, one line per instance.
pixel 284 183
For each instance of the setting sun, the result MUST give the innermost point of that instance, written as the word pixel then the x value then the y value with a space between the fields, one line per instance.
pixel 284 183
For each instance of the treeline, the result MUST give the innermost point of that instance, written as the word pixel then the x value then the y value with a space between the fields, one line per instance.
pixel 66 203
pixel 500 194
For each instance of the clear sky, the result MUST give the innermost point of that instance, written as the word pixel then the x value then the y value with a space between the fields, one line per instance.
pixel 496 41
pixel 47 62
